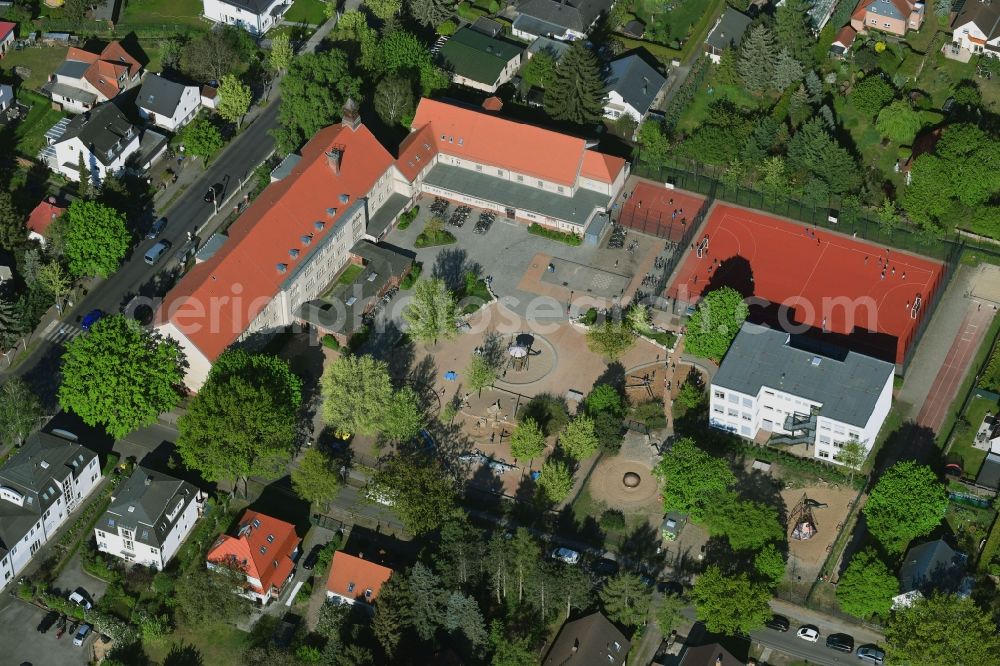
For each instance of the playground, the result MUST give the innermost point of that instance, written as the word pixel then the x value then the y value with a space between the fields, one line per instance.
pixel 867 298
pixel 824 508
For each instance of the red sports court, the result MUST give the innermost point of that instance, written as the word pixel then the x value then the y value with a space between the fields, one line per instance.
pixel 660 211
pixel 862 296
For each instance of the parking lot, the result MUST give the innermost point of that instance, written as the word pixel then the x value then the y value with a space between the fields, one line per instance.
pixel 22 642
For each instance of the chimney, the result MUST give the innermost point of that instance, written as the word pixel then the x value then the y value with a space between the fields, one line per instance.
pixel 334 156
pixel 718 660
pixel 351 115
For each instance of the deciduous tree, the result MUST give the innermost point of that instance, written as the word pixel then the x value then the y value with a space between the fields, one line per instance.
pixel 420 492
pixel 206 596
pixel 871 94
pixel 316 479
pixel 867 586
pixel 715 323
pixel 668 612
pixel 357 392
pixel 653 143
pixel 281 54
pixel 214 54
pixel 540 70
pixel 625 599
pixel 576 92
pixel 555 480
pixel 120 376
pixel 746 524
pixel 691 479
pixel 578 439
pixel 384 9
pixel 942 630
pixel 730 604
pixel 907 502
pixel 234 99
pixel 527 440
pixel 899 122
pixel 480 374
pixel 852 456
pixel 611 339
pixel 394 99
pixel 431 314
pixel 769 564
pixel 313 93
pixel 201 138
pixel 20 412
pixel 95 240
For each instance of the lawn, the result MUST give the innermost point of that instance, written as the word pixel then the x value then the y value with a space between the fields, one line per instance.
pixel 710 91
pixel 350 274
pixel 965 434
pixel 158 12
pixel 970 525
pixel 30 132
pixel 219 644
pixel 41 61
pixel 940 75
pixel 306 11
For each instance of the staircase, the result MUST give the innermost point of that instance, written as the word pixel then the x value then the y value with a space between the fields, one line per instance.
pixel 802 429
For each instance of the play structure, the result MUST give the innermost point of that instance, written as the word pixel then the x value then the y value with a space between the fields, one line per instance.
pixel 802 521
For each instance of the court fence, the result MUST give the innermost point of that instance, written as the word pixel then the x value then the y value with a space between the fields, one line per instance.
pixel 837 215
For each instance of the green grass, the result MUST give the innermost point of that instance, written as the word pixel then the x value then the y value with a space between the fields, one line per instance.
pixel 156 12
pixel 30 132
pixel 969 524
pixel 306 11
pixel 42 61
pixel 965 435
pixel 350 274
pixel 685 19
pixel 219 644
pixel 697 113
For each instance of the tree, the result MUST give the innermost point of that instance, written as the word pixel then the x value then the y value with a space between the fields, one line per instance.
pixel 425 596
pixel 420 493
pixel 852 456
pixel 755 63
pixel 604 398
pixel 899 122
pixel 316 479
pixel 691 395
pixel 480 373
pixel 96 239
pixel 403 54
pixel 201 138
pixel 391 614
pixel 691 479
pixel 611 339
pixel 576 93
pixel 170 53
pixel 967 91
pixel 234 99
pixel 242 421
pixel 555 480
pixel 653 141
pixel 404 418
pixel 625 599
pixel 769 564
pixel 871 94
pixel 527 441
pixel 20 412
pixel 793 28
pixel 730 604
pixel 384 9
pixel 431 313
pixel 578 439
pixel 887 215
pixel 637 318
pixel 214 54
pixel 460 552
pixel 867 587
pixel 431 13
pixel 510 650
pixel 669 612
pixel 10 325
pixel 394 99
pixel 813 151
pixel 356 393
pixel 787 70
pixel 747 525
pixel 281 54
pixel 539 71
pixel 13 232
pixel 943 629
pixel 206 596
pixel 907 502
pixel 313 93
pixel 75 11
pixel 120 376
pixel 715 323
pixel 462 614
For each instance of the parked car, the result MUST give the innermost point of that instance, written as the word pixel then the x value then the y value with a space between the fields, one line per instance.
pixel 312 557
pixel 47 621
pixel 214 193
pixel 808 632
pixel 604 566
pixel 80 598
pixel 157 228
pixel 566 555
pixel 778 623
pixel 81 635
pixel 840 642
pixel 871 654
pixel 154 253
pixel 91 318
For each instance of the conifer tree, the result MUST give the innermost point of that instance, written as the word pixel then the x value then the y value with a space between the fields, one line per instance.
pixel 577 91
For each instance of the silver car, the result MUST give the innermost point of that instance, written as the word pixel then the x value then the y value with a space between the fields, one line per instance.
pixel 566 555
pixel 871 654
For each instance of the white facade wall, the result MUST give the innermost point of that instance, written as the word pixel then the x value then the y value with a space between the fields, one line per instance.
pixel 506 74
pixel 962 35
pixel 198 364
pixel 255 24
pixel 67 159
pixel 615 107
pixel 113 543
pixel 185 112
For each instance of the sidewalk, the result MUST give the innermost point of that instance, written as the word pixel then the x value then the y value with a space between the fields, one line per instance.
pixel 826 623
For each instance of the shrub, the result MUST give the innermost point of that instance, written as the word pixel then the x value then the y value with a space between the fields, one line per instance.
pixel 406 219
pixel 553 234
pixel 411 278
pixel 331 342
pixel 590 317
pixel 651 414
pixel 432 237
pixel 447 28
pixel 612 519
pixel 99 565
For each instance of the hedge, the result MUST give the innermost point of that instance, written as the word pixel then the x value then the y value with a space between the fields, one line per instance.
pixel 808 465
pixel 991 551
pixel 411 278
pixel 552 234
pixel 406 219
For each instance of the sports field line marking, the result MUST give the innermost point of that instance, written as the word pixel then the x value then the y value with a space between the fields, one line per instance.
pixel 818 261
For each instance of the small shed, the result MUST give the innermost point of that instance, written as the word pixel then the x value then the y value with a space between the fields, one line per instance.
pixel 595 230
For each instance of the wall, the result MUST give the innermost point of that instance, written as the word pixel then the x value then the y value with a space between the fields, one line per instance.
pixel 198 364
pixel 67 155
pixel 252 23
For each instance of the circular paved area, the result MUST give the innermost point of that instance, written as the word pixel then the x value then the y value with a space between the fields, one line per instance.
pixel 606 484
pixel 541 363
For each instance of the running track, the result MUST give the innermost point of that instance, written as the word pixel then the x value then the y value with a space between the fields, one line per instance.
pixel 944 389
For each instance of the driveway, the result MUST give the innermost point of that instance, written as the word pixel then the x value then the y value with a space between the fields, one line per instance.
pixel 73 576
pixel 22 642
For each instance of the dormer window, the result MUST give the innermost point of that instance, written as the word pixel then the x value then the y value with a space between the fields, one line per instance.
pixel 270 538
pixel 293 253
pixel 350 587
pixel 331 212
pixel 368 594
pixel 306 240
pixel 263 549
pixel 319 225
pixel 281 269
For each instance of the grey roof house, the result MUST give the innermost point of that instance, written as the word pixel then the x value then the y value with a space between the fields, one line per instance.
pixel 932 567
pixel 166 103
pixel 40 486
pixel 727 33
pixel 561 19
pixel 149 517
pixel 590 641
pixel 633 85
pixel 479 61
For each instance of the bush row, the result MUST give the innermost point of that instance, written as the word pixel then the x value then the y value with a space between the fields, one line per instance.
pixel 808 465
pixel 552 234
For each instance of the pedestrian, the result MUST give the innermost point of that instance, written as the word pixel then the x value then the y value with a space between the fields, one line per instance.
pixel 817 241
pixel 882 277
pixel 907 305
pixel 979 308
pixel 671 202
pixel 616 263
pixel 855 234
pixel 893 270
pixel 639 204
pixel 904 275
pixel 866 260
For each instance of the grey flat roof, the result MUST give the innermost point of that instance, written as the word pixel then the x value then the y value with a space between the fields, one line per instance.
pixel 846 383
pixel 574 209
pixel 729 31
pixel 387 212
pixel 70 92
pixel 73 69
pixel 555 48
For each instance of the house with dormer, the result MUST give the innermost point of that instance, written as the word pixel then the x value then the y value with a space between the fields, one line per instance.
pixel 103 139
pixel 254 16
pixel 565 20
pixel 976 28
pixel 149 517
pixel 86 79
pixel 264 548
pixel 895 17
pixel 354 580
pixel 41 485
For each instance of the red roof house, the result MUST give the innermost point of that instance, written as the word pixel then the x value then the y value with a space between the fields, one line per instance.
pixel 86 78
pixel 355 580
pixel 265 548
pixel 6 36
pixel 42 217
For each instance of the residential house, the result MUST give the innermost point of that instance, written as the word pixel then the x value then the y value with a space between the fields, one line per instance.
pixel 843 41
pixel 43 215
pixel 932 567
pixel 560 19
pixel 989 471
pixel 254 16
pixel 727 33
pixel 976 28
pixel 166 103
pixel 103 137
pixel 712 654
pixel 86 79
pixel 6 37
pixel 589 641
pixel 290 244
pixel 6 97
pixel 265 548
pixel 41 484
pixel 354 580
pixel 149 517
pixel 895 17
pixel 800 391
pixel 553 47
pixel 632 86
pixel 477 60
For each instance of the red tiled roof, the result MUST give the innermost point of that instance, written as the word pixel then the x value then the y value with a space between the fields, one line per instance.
pixel 242 277
pixel 602 167
pixel 263 548
pixel 489 139
pixel 106 67
pixel 492 103
pixel 846 36
pixel 416 150
pixel 351 577
pixel 44 214
pixel 81 55
pixel 6 27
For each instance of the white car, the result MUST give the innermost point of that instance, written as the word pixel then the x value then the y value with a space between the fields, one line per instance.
pixel 566 555
pixel 808 632
pixel 79 599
